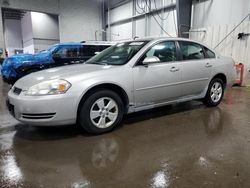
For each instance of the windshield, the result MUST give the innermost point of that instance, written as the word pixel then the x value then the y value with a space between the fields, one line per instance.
pixel 119 54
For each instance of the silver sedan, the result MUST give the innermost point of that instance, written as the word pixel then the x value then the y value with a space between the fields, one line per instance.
pixel 125 78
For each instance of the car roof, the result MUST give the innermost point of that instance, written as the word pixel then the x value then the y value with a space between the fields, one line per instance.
pixel 110 43
pixel 68 44
pixel 159 39
pixel 97 43
pixel 94 42
pixel 155 39
pixel 148 39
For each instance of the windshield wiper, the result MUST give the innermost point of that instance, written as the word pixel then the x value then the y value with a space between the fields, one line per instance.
pixel 97 63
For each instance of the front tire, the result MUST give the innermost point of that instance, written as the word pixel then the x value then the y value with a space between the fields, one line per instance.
pixel 101 112
pixel 214 93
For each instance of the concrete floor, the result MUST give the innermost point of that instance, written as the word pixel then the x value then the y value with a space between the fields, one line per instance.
pixel 185 145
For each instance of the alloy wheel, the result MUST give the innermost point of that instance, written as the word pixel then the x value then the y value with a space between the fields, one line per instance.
pixel 216 92
pixel 104 112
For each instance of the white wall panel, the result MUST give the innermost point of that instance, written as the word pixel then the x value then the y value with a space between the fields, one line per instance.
pixel 45 26
pixel 140 28
pixel 170 24
pixel 27 31
pixel 124 31
pixel 219 17
pixel 45 29
pixel 46 6
pixel 154 29
pixel 79 19
pixel 39 31
pixel 216 12
pixel 232 46
pixel 13 36
pixel 13 33
pixel 121 12
pixel 146 26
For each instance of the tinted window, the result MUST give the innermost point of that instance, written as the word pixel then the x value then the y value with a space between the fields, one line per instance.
pixel 209 53
pixel 88 51
pixel 68 52
pixel 165 51
pixel 103 47
pixel 191 50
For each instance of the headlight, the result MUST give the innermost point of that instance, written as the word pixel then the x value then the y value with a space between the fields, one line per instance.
pixel 51 87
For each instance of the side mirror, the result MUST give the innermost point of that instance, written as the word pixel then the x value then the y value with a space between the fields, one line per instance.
pixel 96 53
pixel 56 56
pixel 149 60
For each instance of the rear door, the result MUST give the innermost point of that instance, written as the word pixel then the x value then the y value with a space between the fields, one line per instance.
pixel 196 68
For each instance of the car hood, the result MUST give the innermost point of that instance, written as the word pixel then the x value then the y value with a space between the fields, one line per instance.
pixel 70 73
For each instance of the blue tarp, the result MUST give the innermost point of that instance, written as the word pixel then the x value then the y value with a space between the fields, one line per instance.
pixel 14 62
pixel 11 64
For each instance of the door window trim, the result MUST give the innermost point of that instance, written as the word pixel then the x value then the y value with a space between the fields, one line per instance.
pixel 204 52
pixel 181 54
pixel 206 55
pixel 158 42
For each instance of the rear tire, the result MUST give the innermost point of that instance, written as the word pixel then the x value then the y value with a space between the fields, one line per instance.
pixel 101 112
pixel 215 93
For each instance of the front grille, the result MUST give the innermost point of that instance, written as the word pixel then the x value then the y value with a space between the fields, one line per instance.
pixel 38 116
pixel 17 90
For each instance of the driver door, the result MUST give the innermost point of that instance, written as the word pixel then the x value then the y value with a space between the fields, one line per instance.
pixel 158 82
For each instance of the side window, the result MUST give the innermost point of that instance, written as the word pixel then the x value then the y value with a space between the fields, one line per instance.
pixel 165 51
pixel 88 51
pixel 95 49
pixel 190 50
pixel 209 53
pixel 68 52
pixel 104 47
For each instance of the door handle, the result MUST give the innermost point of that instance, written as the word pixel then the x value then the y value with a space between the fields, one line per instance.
pixel 174 69
pixel 208 65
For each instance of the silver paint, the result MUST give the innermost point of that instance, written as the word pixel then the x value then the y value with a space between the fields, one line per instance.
pixel 145 86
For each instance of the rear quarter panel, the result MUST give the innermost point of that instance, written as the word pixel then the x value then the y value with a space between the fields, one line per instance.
pixel 225 65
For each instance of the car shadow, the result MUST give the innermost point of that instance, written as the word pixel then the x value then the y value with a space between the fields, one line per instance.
pixel 65 132
pixel 162 111
pixel 46 133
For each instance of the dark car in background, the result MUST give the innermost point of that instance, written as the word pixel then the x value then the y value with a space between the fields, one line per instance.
pixel 61 54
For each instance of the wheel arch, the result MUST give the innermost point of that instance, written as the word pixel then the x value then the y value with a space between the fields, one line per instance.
pixel 221 76
pixel 110 86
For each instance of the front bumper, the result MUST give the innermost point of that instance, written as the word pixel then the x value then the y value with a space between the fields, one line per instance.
pixel 49 110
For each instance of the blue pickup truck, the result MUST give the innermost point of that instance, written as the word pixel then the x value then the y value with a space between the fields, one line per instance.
pixel 19 65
